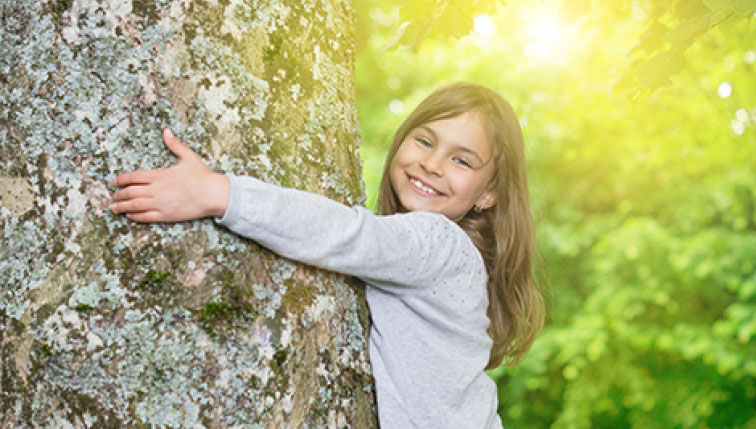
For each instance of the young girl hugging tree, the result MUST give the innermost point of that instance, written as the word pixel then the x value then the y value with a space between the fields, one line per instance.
pixel 446 262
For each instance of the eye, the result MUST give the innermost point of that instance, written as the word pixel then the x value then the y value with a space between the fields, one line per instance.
pixel 462 162
pixel 422 141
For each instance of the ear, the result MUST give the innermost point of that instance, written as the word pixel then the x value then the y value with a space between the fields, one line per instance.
pixel 487 200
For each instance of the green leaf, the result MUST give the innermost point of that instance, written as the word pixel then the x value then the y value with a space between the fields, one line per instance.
pixel 653 39
pixel 687 9
pixel 688 30
pixel 717 5
pixel 655 72
pixel 397 37
pixel 417 9
pixel 744 7
pixel 739 7
pixel 415 33
pixel 425 19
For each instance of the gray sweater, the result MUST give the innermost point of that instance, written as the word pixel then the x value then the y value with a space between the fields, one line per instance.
pixel 425 288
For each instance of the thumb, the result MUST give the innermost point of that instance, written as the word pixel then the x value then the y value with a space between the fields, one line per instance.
pixel 175 145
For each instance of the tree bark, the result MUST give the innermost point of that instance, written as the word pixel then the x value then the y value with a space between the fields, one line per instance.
pixel 107 323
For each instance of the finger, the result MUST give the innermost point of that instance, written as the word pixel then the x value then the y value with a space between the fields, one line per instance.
pixel 175 145
pixel 141 177
pixel 145 217
pixel 131 192
pixel 133 206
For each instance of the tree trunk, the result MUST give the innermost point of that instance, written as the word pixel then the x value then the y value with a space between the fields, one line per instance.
pixel 107 323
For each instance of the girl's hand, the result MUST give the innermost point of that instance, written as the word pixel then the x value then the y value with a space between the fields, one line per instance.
pixel 188 190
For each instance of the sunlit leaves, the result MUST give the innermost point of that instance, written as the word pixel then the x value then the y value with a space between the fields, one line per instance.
pixel 673 27
pixel 422 19
pixel 739 7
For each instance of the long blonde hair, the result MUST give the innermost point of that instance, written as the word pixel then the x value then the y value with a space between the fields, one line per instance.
pixel 504 233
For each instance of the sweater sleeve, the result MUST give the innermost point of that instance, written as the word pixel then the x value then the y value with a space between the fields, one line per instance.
pixel 404 249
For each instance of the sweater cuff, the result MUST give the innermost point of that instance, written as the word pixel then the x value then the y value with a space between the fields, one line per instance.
pixel 234 202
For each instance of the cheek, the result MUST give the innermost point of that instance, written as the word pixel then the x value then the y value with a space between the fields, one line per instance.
pixel 401 154
pixel 474 188
pixel 399 160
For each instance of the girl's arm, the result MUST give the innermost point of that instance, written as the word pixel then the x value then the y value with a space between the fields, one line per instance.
pixel 189 190
pixel 405 249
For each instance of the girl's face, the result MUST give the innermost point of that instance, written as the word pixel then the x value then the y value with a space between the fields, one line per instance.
pixel 445 166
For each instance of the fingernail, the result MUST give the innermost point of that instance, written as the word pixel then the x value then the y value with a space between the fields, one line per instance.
pixel 169 133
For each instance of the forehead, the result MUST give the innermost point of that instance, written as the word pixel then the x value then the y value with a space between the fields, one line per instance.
pixel 466 130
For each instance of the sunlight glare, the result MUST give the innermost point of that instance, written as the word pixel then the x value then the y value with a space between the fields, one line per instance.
pixel 396 106
pixel 738 127
pixel 484 25
pixel 724 90
pixel 545 34
pixel 393 83
pixel 749 57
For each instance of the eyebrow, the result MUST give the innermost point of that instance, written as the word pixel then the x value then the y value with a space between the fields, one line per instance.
pixel 456 146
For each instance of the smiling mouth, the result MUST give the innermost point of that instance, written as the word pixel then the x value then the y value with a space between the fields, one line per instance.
pixel 424 189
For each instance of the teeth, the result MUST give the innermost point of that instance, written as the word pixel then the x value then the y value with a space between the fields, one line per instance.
pixel 420 185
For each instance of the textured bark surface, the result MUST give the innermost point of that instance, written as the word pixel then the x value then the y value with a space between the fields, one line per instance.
pixel 107 323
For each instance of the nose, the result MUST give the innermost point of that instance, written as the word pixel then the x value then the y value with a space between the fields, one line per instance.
pixel 433 163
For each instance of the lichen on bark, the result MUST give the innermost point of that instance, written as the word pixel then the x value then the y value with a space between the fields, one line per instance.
pixel 111 324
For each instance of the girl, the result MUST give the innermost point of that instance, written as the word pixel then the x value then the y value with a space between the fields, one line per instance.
pixel 447 262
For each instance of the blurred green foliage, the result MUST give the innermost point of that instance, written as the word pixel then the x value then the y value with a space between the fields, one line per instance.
pixel 646 205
